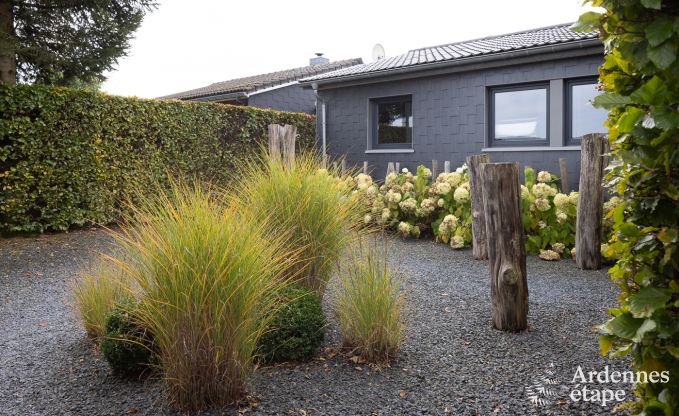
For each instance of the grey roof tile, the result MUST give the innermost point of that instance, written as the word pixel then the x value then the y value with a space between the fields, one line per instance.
pixel 478 47
pixel 258 82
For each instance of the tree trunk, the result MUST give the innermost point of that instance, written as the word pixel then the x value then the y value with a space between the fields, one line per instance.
pixel 506 247
pixel 590 202
pixel 7 43
pixel 479 241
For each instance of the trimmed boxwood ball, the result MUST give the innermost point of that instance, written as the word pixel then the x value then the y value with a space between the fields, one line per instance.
pixel 296 330
pixel 127 346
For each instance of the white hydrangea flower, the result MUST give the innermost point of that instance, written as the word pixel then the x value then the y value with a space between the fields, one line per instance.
pixel 390 180
pixel 461 195
pixel 542 204
pixel 442 188
pixel 410 177
pixel 542 190
pixel 404 229
pixel 367 219
pixel 457 242
pixel 428 205
pixel 408 186
pixel 561 217
pixel 386 214
pixel 426 172
pixel 612 203
pixel 363 186
pixel 525 193
pixel 393 197
pixel 561 200
pixel 549 255
pixel 372 190
pixel 544 176
pixel 573 197
pixel 454 178
pixel 404 170
pixel 558 247
pixel 409 205
pixel 441 202
pixel 542 224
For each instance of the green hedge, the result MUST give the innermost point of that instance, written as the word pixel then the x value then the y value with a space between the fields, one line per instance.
pixel 71 157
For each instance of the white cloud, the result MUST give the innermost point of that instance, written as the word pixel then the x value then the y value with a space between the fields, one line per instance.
pixel 189 44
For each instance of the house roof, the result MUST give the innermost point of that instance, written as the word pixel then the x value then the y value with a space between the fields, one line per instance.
pixel 254 83
pixel 546 36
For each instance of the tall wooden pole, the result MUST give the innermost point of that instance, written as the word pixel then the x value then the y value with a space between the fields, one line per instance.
pixel 563 168
pixel 479 240
pixel 506 247
pixel 593 161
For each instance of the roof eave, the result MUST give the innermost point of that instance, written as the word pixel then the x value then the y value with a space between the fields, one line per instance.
pixel 586 45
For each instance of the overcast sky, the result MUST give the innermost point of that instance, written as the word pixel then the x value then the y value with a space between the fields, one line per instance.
pixel 188 44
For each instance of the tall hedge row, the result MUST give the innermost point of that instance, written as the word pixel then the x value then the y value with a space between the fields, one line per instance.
pixel 71 157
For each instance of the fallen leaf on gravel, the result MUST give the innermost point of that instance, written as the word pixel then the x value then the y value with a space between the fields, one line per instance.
pixel 358 360
pixel 302 412
pixel 402 393
pixel 133 410
pixel 359 368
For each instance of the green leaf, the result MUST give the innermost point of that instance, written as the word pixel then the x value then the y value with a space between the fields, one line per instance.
pixel 651 4
pixel 664 55
pixel 652 92
pixel 624 326
pixel 659 31
pixel 609 100
pixel 605 344
pixel 587 22
pixel 649 325
pixel 628 229
pixel 647 300
pixel 629 119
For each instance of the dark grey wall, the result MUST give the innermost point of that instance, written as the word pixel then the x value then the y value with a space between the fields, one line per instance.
pixel 292 98
pixel 449 116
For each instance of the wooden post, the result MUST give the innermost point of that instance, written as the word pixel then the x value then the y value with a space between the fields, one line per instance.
pixel 390 168
pixel 479 239
pixel 446 166
pixel 343 169
pixel 365 167
pixel 563 167
pixel 398 168
pixel 506 248
pixel 275 141
pixel 590 202
pixel 434 169
pixel 289 138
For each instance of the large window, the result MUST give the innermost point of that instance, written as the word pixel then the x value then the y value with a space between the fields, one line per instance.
pixel 582 117
pixel 392 122
pixel 519 115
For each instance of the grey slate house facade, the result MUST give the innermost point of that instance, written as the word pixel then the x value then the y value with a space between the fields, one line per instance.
pixel 277 90
pixel 522 97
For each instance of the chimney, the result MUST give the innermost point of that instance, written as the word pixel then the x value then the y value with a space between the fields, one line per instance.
pixel 318 60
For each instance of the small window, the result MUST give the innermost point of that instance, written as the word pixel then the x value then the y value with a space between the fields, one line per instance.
pixel 583 118
pixel 518 115
pixel 392 122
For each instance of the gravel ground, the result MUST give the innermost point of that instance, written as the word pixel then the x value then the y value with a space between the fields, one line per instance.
pixel 452 361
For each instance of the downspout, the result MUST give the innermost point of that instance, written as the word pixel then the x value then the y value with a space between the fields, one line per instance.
pixel 323 128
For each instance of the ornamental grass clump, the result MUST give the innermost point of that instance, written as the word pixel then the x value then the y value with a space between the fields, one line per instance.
pixel 204 275
pixel 312 205
pixel 97 290
pixel 369 303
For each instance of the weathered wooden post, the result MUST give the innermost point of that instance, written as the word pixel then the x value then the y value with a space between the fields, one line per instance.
pixel 479 238
pixel 446 166
pixel 274 141
pixel 289 137
pixel 434 169
pixel 390 168
pixel 365 167
pixel 398 168
pixel 343 168
pixel 563 167
pixel 590 202
pixel 506 248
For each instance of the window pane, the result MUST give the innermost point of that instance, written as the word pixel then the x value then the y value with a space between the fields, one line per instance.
pixel 521 115
pixel 584 117
pixel 395 122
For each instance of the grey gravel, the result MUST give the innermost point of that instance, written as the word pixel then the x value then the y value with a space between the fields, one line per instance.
pixel 452 361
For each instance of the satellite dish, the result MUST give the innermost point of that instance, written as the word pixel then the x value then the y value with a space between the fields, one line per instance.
pixel 378 52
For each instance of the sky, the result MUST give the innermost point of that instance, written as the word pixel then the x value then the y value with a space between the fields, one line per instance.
pixel 189 44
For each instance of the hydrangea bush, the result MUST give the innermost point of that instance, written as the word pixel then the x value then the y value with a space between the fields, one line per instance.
pixel 414 205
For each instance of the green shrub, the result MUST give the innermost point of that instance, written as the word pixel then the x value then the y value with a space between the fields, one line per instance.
pixel 204 274
pixel 369 303
pixel 71 157
pixel 296 329
pixel 127 346
pixel 308 205
pixel 640 77
pixel 98 289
